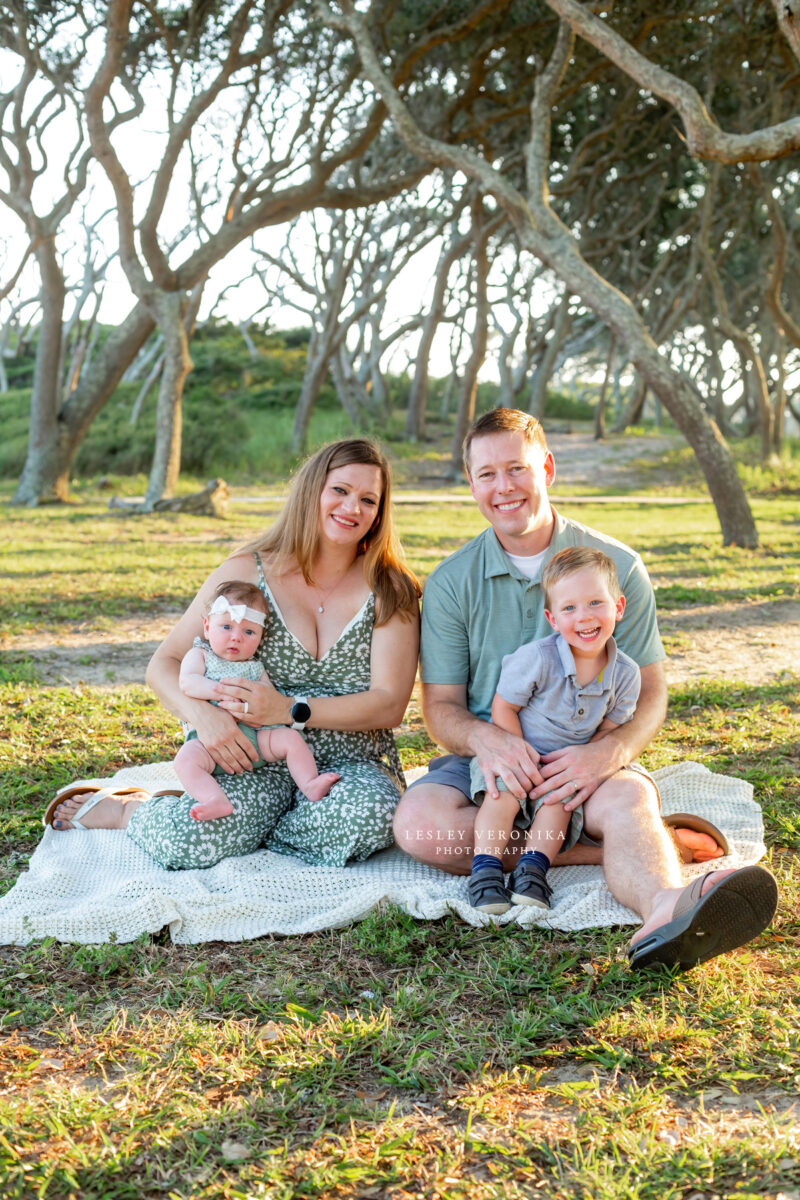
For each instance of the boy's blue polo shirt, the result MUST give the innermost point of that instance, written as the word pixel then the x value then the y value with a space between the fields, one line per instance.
pixel 477 608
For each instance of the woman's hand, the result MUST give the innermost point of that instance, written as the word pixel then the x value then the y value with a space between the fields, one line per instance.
pixel 222 738
pixel 255 704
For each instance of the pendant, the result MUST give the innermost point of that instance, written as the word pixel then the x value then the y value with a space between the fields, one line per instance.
pixel 320 609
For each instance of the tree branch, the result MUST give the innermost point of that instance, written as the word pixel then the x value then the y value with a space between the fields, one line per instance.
pixel 704 137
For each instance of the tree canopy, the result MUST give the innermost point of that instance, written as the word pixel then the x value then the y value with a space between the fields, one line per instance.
pixel 616 185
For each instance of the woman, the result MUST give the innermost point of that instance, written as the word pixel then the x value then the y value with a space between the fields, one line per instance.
pixel 340 652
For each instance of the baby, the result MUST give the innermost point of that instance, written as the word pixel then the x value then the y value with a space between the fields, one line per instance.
pixel 564 690
pixel 233 628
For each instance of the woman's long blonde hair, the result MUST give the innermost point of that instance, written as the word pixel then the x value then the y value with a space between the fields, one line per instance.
pixel 294 538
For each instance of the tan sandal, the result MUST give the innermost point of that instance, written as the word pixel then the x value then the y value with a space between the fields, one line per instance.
pixel 99 792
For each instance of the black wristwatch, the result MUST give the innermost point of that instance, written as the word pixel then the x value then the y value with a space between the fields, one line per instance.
pixel 300 712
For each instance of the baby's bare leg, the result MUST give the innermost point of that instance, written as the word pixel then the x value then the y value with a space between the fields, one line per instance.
pixel 277 744
pixel 194 767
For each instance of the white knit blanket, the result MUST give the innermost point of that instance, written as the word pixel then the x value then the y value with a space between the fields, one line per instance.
pixel 96 886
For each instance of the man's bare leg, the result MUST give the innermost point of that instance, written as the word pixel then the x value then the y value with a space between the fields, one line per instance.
pixel 435 824
pixel 639 856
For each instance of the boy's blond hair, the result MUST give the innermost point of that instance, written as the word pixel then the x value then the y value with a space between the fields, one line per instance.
pixel 575 558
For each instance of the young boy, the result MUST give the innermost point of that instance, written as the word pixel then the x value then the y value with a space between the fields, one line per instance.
pixel 567 689
pixel 233 628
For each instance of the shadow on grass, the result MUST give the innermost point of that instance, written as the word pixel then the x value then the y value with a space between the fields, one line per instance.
pixel 392 1053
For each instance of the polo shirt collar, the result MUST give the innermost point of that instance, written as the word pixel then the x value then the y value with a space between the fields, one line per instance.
pixel 568 664
pixel 496 561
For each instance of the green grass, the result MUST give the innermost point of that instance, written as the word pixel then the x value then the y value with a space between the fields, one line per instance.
pixel 394 1058
pixel 82 563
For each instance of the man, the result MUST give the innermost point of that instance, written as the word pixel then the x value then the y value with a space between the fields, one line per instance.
pixel 481 604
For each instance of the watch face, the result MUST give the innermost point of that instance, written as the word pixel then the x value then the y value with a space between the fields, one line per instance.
pixel 300 711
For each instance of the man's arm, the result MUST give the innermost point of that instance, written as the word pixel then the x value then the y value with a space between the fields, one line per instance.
pixel 452 725
pixel 572 774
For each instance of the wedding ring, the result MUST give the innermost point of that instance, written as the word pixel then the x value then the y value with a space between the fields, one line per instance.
pixel 246 706
pixel 573 787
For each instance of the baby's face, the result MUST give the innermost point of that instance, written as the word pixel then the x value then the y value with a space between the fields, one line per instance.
pixel 235 641
pixel 583 610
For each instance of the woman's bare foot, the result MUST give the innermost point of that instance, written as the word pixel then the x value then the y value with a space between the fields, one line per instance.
pixel 108 813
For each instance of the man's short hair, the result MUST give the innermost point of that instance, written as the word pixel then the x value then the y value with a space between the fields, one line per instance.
pixel 575 558
pixel 504 420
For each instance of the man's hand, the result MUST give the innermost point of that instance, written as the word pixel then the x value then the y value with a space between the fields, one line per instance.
pixel 569 776
pixel 501 754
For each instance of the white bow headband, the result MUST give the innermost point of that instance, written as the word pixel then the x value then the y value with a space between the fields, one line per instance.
pixel 238 612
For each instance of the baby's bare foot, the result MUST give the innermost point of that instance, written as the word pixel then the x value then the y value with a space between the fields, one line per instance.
pixel 211 810
pixel 320 786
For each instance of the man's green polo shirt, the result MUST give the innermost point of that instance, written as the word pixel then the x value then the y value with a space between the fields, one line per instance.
pixel 477 608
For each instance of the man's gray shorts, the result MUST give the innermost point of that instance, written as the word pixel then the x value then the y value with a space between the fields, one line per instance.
pixel 452 770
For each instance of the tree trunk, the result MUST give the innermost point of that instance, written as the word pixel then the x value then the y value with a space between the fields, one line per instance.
pixel 55 437
pixel 313 379
pixel 347 387
pixel 508 390
pixel 169 411
pixel 46 395
pixel 469 384
pixel 753 375
pixel 544 369
pixel 779 411
pixel 381 396
pixel 600 411
pixel 632 415
pixel 418 398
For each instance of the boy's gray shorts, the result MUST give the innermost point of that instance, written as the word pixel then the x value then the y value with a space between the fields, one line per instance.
pixel 453 770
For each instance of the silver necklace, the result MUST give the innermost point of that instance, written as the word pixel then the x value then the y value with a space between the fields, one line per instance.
pixel 327 595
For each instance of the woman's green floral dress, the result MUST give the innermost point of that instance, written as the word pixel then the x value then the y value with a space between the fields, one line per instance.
pixel 350 823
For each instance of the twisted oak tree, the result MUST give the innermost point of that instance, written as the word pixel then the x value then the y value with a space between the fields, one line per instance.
pixel 540 230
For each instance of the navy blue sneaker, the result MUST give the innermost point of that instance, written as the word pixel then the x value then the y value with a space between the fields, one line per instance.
pixel 488 892
pixel 528 885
